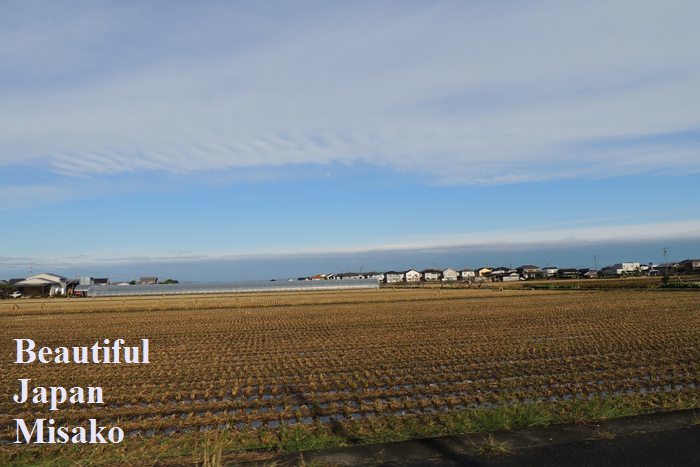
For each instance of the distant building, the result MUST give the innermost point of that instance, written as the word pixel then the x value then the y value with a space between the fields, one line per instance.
pixel 375 275
pixel 45 284
pixel 587 273
pixel 690 265
pixel 620 269
pixel 412 275
pixel 550 271
pixel 529 271
pixel 347 275
pixel 510 277
pixel 86 280
pixel 498 273
pixel 566 273
pixel 81 290
pixel 484 272
pixel 393 277
pixel 449 275
pixel 431 275
pixel 147 280
pixel 668 268
pixel 467 274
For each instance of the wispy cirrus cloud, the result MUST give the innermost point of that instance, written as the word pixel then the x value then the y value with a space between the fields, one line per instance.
pixel 467 93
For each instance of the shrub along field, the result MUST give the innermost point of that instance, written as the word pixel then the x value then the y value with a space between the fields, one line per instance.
pixel 237 376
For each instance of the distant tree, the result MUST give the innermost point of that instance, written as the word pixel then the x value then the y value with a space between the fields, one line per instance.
pixel 5 290
pixel 132 282
pixel 170 281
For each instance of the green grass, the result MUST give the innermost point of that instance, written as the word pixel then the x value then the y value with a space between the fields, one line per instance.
pixel 235 446
pixel 490 447
pixel 553 286
pixel 681 285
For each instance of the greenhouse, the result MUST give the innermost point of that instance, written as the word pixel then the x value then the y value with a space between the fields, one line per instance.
pixel 228 287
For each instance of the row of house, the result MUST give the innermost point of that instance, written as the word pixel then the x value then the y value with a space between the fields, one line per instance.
pixel 688 266
pixel 413 275
pixel 524 272
pixel 47 284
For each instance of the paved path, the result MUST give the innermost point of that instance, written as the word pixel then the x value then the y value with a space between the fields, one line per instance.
pixel 663 439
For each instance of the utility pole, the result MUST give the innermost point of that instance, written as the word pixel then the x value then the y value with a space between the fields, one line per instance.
pixel 665 277
pixel 595 262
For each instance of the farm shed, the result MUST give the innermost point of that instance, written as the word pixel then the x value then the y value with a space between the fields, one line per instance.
pixel 44 284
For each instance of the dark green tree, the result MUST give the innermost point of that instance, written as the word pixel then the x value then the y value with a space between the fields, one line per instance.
pixel 6 290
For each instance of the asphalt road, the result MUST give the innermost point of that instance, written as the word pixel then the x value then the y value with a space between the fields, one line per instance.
pixel 663 439
pixel 679 447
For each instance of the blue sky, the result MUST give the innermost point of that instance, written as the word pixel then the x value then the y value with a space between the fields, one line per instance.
pixel 249 140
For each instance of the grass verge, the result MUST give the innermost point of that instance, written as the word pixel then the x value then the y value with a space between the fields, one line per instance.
pixel 261 445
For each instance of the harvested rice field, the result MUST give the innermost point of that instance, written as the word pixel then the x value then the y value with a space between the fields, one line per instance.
pixel 258 373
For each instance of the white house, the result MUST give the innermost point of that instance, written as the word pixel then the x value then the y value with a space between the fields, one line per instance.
pixel 431 275
pixel 510 277
pixel 550 271
pixel 392 277
pixel 348 275
pixel 467 274
pixel 375 275
pixel 450 274
pixel 630 267
pixel 412 275
pixel 620 269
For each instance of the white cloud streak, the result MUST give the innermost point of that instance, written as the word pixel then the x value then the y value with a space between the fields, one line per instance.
pixel 465 93
pixel 507 239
